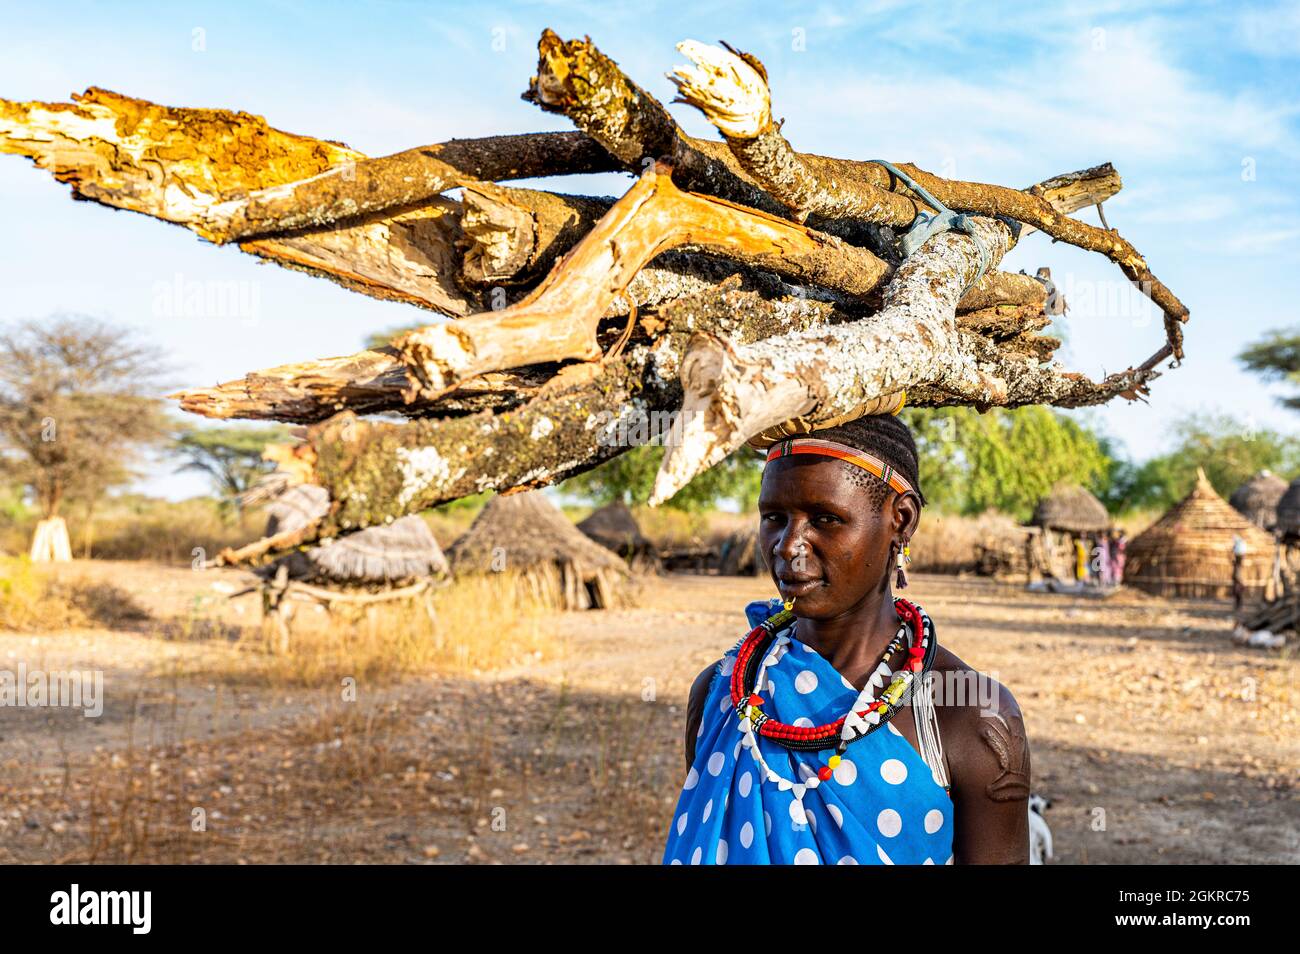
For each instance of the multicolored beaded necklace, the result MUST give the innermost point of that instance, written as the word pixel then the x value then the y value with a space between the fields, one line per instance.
pixel 765 641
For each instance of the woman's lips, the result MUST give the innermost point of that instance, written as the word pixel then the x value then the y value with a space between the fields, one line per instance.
pixel 795 588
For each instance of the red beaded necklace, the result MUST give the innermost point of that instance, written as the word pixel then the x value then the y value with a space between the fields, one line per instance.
pixel 748 703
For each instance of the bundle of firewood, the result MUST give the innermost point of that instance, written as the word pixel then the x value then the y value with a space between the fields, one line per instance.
pixel 1277 615
pixel 737 285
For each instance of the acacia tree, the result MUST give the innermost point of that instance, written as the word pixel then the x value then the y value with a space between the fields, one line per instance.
pixel 230 456
pixel 76 411
pixel 1276 358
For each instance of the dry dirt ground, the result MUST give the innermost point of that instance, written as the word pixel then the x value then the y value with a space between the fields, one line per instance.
pixel 1156 739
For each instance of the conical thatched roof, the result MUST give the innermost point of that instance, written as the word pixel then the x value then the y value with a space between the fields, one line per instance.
pixel 1188 551
pixel 1071 508
pixel 614 528
pixel 1257 499
pixel 525 534
pixel 1288 511
pixel 400 551
pixel 292 508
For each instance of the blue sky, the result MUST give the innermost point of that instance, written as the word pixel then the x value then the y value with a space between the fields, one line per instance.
pixel 1196 104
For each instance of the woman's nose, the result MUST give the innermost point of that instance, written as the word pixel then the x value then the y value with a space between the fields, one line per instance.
pixel 791 546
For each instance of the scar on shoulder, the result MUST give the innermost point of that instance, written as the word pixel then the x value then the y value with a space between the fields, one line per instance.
pixel 1008 744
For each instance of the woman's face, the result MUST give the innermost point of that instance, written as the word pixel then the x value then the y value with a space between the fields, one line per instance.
pixel 826 545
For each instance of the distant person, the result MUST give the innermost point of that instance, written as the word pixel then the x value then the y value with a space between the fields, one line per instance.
pixel 1102 552
pixel 1080 561
pixel 1121 547
pixel 805 744
pixel 1238 574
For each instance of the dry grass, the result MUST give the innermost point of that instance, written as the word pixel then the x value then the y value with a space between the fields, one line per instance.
pixel 34 597
pixel 490 760
pixel 132 527
pixel 480 624
pixel 946 544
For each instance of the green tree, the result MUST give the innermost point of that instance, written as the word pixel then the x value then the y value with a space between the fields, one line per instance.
pixel 230 456
pixel 630 478
pixel 1002 459
pixel 77 410
pixel 381 339
pixel 1228 450
pixel 1276 358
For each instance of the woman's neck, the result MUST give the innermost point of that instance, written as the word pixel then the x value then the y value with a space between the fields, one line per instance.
pixel 853 641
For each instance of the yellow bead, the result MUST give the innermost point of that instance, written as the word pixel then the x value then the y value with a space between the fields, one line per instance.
pixel 833 761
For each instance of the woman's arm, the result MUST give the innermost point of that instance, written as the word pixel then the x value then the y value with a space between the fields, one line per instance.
pixel 989 758
pixel 695 710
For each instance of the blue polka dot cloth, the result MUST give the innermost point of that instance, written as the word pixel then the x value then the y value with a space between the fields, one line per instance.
pixel 882 807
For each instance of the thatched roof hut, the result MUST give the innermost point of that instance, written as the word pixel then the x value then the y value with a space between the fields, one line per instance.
pixel 524 534
pixel 614 528
pixel 1071 508
pixel 1188 551
pixel 399 552
pixel 1288 512
pixel 1257 499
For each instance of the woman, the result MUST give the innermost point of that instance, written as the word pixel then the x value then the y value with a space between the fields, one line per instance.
pixel 816 739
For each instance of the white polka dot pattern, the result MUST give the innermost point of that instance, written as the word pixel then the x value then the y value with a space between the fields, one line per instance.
pixel 882 802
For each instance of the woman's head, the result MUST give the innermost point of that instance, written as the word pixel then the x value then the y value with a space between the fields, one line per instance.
pixel 829 529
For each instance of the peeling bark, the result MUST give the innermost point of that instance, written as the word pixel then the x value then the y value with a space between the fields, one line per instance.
pixel 366 186
pixel 177 164
pixel 558 320
pixel 1003 288
pixel 1004 321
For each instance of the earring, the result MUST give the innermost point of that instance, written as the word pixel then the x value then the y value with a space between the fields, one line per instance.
pixel 904 558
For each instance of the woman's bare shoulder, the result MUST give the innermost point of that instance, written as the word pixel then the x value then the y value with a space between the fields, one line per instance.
pixel 982 727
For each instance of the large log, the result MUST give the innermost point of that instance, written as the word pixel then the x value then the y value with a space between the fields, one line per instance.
pixel 375 471
pixel 734 393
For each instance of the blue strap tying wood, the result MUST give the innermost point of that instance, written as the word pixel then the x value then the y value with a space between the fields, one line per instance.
pixel 928 225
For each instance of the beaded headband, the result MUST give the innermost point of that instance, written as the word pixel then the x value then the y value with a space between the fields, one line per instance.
pixel 858 458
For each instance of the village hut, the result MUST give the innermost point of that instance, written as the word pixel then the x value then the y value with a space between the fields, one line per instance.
pixel 389 555
pixel 1188 551
pixel 525 535
pixel 1287 524
pixel 1066 514
pixel 740 556
pixel 1258 498
pixel 1071 509
pixel 615 528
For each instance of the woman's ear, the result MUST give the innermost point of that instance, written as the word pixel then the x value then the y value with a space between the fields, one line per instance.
pixel 906 514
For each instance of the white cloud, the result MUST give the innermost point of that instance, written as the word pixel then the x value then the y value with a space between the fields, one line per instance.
pixel 1270 31
pixel 1251 242
pixel 1124 99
